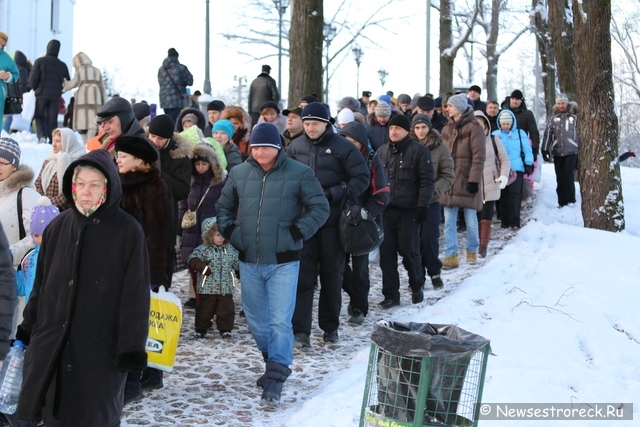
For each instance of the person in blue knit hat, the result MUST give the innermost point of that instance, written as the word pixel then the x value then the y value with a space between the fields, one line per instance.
pixel 222 131
pixel 269 241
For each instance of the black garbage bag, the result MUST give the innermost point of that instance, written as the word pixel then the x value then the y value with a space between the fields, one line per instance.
pixel 404 348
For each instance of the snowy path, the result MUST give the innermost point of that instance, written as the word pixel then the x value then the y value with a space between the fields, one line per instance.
pixel 213 382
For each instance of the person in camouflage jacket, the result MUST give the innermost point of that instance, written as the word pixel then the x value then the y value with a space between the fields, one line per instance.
pixel 215 262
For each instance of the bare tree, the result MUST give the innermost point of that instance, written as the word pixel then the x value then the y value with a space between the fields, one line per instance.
pixel 305 48
pixel 491 51
pixel 600 183
pixel 562 39
pixel 545 50
pixel 448 47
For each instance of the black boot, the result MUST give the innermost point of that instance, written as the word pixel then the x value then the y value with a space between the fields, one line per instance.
pixel 276 375
pixel 262 381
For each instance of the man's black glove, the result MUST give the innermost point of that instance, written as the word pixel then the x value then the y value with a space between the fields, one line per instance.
pixel 528 169
pixel 472 187
pixel 535 153
pixel 328 194
pixel 421 214
pixel 545 156
pixel 296 233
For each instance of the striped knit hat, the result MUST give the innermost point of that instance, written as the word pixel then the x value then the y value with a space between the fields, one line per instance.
pixel 10 151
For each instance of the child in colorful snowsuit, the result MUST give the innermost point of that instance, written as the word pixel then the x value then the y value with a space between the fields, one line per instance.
pixel 41 215
pixel 215 262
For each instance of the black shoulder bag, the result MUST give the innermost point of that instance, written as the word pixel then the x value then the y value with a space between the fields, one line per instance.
pixel 23 233
pixel 13 101
pixel 359 232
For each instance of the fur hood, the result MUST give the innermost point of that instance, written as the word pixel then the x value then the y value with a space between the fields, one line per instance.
pixel 184 147
pixel 572 109
pixel 202 120
pixel 432 140
pixel 81 59
pixel 205 151
pixel 22 177
pixel 208 230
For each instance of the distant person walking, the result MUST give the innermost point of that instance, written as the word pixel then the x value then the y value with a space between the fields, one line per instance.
pixel 173 78
pixel 262 89
pixel 9 72
pixel 560 146
pixel 46 79
pixel 90 96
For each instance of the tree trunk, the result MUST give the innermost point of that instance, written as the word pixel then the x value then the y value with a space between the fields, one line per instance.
pixel 446 42
pixel 305 50
pixel 547 58
pixel 492 56
pixel 600 183
pixel 562 38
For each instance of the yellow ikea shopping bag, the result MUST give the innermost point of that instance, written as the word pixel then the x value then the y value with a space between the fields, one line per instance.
pixel 165 320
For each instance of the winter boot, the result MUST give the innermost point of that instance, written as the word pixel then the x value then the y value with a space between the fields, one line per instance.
pixel 436 281
pixel 485 236
pixel 276 375
pixel 451 262
pixel 472 257
pixel 261 382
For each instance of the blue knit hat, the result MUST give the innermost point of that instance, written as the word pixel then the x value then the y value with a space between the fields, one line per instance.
pixel 224 125
pixel 42 214
pixel 266 135
pixel 315 111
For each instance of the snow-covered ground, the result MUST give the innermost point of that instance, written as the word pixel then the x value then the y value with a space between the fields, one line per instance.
pixel 558 302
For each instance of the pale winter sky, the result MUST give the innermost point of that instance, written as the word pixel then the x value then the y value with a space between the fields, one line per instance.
pixel 130 39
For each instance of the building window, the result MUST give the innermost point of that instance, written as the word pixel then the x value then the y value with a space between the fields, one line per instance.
pixel 55 16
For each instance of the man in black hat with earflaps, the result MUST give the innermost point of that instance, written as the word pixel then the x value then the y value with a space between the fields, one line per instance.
pixel 262 89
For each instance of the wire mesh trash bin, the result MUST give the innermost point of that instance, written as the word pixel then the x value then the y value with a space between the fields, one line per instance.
pixel 423 374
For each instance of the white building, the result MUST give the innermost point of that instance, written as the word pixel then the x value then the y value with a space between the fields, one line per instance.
pixel 31 24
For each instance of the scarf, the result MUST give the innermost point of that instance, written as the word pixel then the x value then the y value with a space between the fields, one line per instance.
pixel 92 209
pixel 57 163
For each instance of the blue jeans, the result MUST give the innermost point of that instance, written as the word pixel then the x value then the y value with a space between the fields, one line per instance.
pixel 451 231
pixel 268 300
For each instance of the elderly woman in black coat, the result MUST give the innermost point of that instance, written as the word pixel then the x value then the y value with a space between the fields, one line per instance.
pixel 87 319
pixel 146 197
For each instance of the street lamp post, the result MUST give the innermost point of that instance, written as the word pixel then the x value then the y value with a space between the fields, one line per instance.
pixel 207 81
pixel 357 55
pixel 281 7
pixel 382 75
pixel 329 32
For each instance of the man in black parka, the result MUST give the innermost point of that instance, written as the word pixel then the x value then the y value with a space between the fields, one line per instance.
pixel 338 165
pixel 46 80
pixel 87 319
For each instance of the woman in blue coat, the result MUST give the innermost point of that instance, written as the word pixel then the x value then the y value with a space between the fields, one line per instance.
pixel 516 144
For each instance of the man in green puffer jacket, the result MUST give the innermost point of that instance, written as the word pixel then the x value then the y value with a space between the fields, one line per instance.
pixel 269 204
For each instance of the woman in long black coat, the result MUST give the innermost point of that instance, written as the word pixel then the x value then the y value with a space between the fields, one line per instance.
pixel 87 319
pixel 147 198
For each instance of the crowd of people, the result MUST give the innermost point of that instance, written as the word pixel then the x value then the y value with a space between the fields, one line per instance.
pixel 254 195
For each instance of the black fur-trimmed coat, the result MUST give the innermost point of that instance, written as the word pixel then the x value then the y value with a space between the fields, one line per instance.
pixel 146 197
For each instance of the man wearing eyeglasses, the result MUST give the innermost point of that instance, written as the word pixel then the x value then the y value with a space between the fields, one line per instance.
pixel 116 118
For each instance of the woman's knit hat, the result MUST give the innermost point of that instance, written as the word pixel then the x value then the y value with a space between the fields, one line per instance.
pixel 10 151
pixel 42 214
